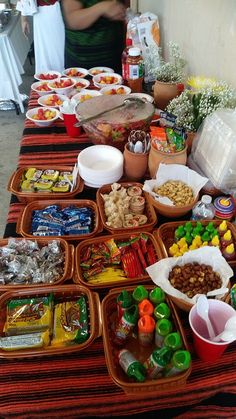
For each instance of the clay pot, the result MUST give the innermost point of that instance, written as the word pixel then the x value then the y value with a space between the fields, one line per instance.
pixel 165 92
pixel 156 157
pixel 135 164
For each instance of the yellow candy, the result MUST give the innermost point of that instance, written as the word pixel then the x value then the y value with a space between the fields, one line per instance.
pixel 173 249
pixel 223 226
pixel 215 241
pixel 183 249
pixel 193 247
pixel 205 244
pixel 227 235
pixel 178 254
pixel 197 241
pixel 181 242
pixel 230 249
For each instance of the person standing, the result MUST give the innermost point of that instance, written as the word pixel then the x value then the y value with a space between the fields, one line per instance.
pixel 95 33
pixel 48 32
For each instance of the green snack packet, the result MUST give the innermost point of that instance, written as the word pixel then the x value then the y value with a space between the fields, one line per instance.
pixel 233 296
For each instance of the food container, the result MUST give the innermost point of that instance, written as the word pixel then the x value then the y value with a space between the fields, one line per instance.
pixel 149 211
pixel 79 278
pixel 117 89
pixel 85 95
pixel 113 127
pixel 171 211
pixel 37 85
pixel 62 293
pixel 106 79
pixel 68 268
pixel 109 311
pixel 47 76
pixel 42 122
pixel 48 100
pixel 76 72
pixel 97 70
pixel 15 180
pixel 25 220
pixel 165 235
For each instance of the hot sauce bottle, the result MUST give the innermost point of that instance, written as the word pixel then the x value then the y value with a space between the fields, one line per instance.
pixel 135 70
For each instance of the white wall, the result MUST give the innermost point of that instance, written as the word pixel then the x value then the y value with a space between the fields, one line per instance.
pixel 205 31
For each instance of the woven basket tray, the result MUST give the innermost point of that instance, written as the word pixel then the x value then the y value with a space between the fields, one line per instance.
pixel 25 220
pixel 62 293
pixel 78 277
pixel 68 270
pixel 109 310
pixel 165 235
pixel 15 181
pixel 149 211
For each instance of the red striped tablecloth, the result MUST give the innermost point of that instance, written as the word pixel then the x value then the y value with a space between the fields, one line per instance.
pixel 78 385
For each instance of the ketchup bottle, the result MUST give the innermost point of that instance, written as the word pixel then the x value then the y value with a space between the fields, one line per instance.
pixel 124 57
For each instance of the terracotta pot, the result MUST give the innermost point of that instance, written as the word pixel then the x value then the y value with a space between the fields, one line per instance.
pixel 165 92
pixel 135 164
pixel 156 157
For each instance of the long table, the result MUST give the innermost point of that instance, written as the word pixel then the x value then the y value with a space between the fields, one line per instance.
pixel 78 385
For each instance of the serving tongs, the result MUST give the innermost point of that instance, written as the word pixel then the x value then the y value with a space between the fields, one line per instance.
pixel 126 102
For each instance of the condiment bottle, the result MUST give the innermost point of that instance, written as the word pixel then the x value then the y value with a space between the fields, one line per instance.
pixel 157 296
pixel 146 326
pixel 180 362
pixel 145 307
pixel 125 325
pixel 124 301
pixel 157 361
pixel 203 209
pixel 163 328
pixel 140 293
pixel 131 366
pixel 162 311
pixel 135 70
pixel 173 341
pixel 124 57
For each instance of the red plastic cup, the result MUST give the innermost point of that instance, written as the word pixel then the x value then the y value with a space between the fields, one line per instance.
pixel 70 120
pixel 219 313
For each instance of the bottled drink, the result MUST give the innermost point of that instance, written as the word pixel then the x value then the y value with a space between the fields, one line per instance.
pixel 135 70
pixel 173 341
pixel 157 296
pixel 204 209
pixel 157 361
pixel 162 311
pixel 146 326
pixel 124 59
pixel 131 366
pixel 124 301
pixel 163 328
pixel 140 293
pixel 126 324
pixel 145 307
pixel 180 362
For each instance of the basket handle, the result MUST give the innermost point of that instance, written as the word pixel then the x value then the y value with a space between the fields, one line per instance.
pixel 81 185
pixel 97 314
pixel 71 261
pixel 9 185
pixel 18 223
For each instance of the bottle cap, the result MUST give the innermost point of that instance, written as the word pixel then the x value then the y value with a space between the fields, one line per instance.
pixel 124 299
pixel 206 199
pixel 128 42
pixel 157 295
pixel 131 314
pixel 181 360
pixel 145 307
pixel 163 327
pixel 140 293
pixel 173 341
pixel 162 356
pixel 162 311
pixel 146 324
pixel 134 52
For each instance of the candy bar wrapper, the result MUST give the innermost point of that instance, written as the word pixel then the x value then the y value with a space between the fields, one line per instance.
pixel 159 271
pixel 178 172
pixel 31 340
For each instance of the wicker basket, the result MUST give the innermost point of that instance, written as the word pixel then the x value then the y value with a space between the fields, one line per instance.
pixel 165 235
pixel 15 180
pixel 68 270
pixel 62 293
pixel 25 220
pixel 109 310
pixel 78 277
pixel 149 211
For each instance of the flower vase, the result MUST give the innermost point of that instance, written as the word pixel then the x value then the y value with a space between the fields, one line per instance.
pixel 135 164
pixel 164 92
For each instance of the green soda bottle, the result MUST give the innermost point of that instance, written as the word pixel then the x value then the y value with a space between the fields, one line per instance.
pixel 157 361
pixel 180 361
pixel 131 366
pixel 140 293
pixel 157 296
pixel 124 301
pixel 162 311
pixel 163 328
pixel 125 325
pixel 173 341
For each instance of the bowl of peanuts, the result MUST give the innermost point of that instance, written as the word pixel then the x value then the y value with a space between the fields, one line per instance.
pixel 200 271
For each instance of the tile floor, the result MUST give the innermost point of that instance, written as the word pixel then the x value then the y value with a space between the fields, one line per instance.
pixel 11 128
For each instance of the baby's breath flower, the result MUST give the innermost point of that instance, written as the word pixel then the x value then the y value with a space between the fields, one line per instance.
pixel 172 71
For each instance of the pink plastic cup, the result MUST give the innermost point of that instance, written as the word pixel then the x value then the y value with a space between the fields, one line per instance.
pixel 70 120
pixel 219 313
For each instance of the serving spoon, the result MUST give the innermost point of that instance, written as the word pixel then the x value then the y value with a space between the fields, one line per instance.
pixel 202 311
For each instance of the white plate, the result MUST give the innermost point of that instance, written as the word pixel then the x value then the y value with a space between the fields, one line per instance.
pixel 37 76
pixel 100 70
pixel 42 100
pixel 84 72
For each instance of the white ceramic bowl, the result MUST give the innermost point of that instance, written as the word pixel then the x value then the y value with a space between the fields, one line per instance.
pixel 75 72
pixel 144 96
pixel 98 70
pixel 117 89
pixel 86 95
pixel 80 84
pixel 45 100
pixel 107 79
pixel 100 164
pixel 41 122
pixel 62 90
pixel 43 76
pixel 35 86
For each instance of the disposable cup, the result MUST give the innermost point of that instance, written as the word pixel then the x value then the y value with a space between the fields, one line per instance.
pixel 70 120
pixel 219 313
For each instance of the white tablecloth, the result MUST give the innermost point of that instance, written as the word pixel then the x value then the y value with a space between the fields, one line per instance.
pixel 14 48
